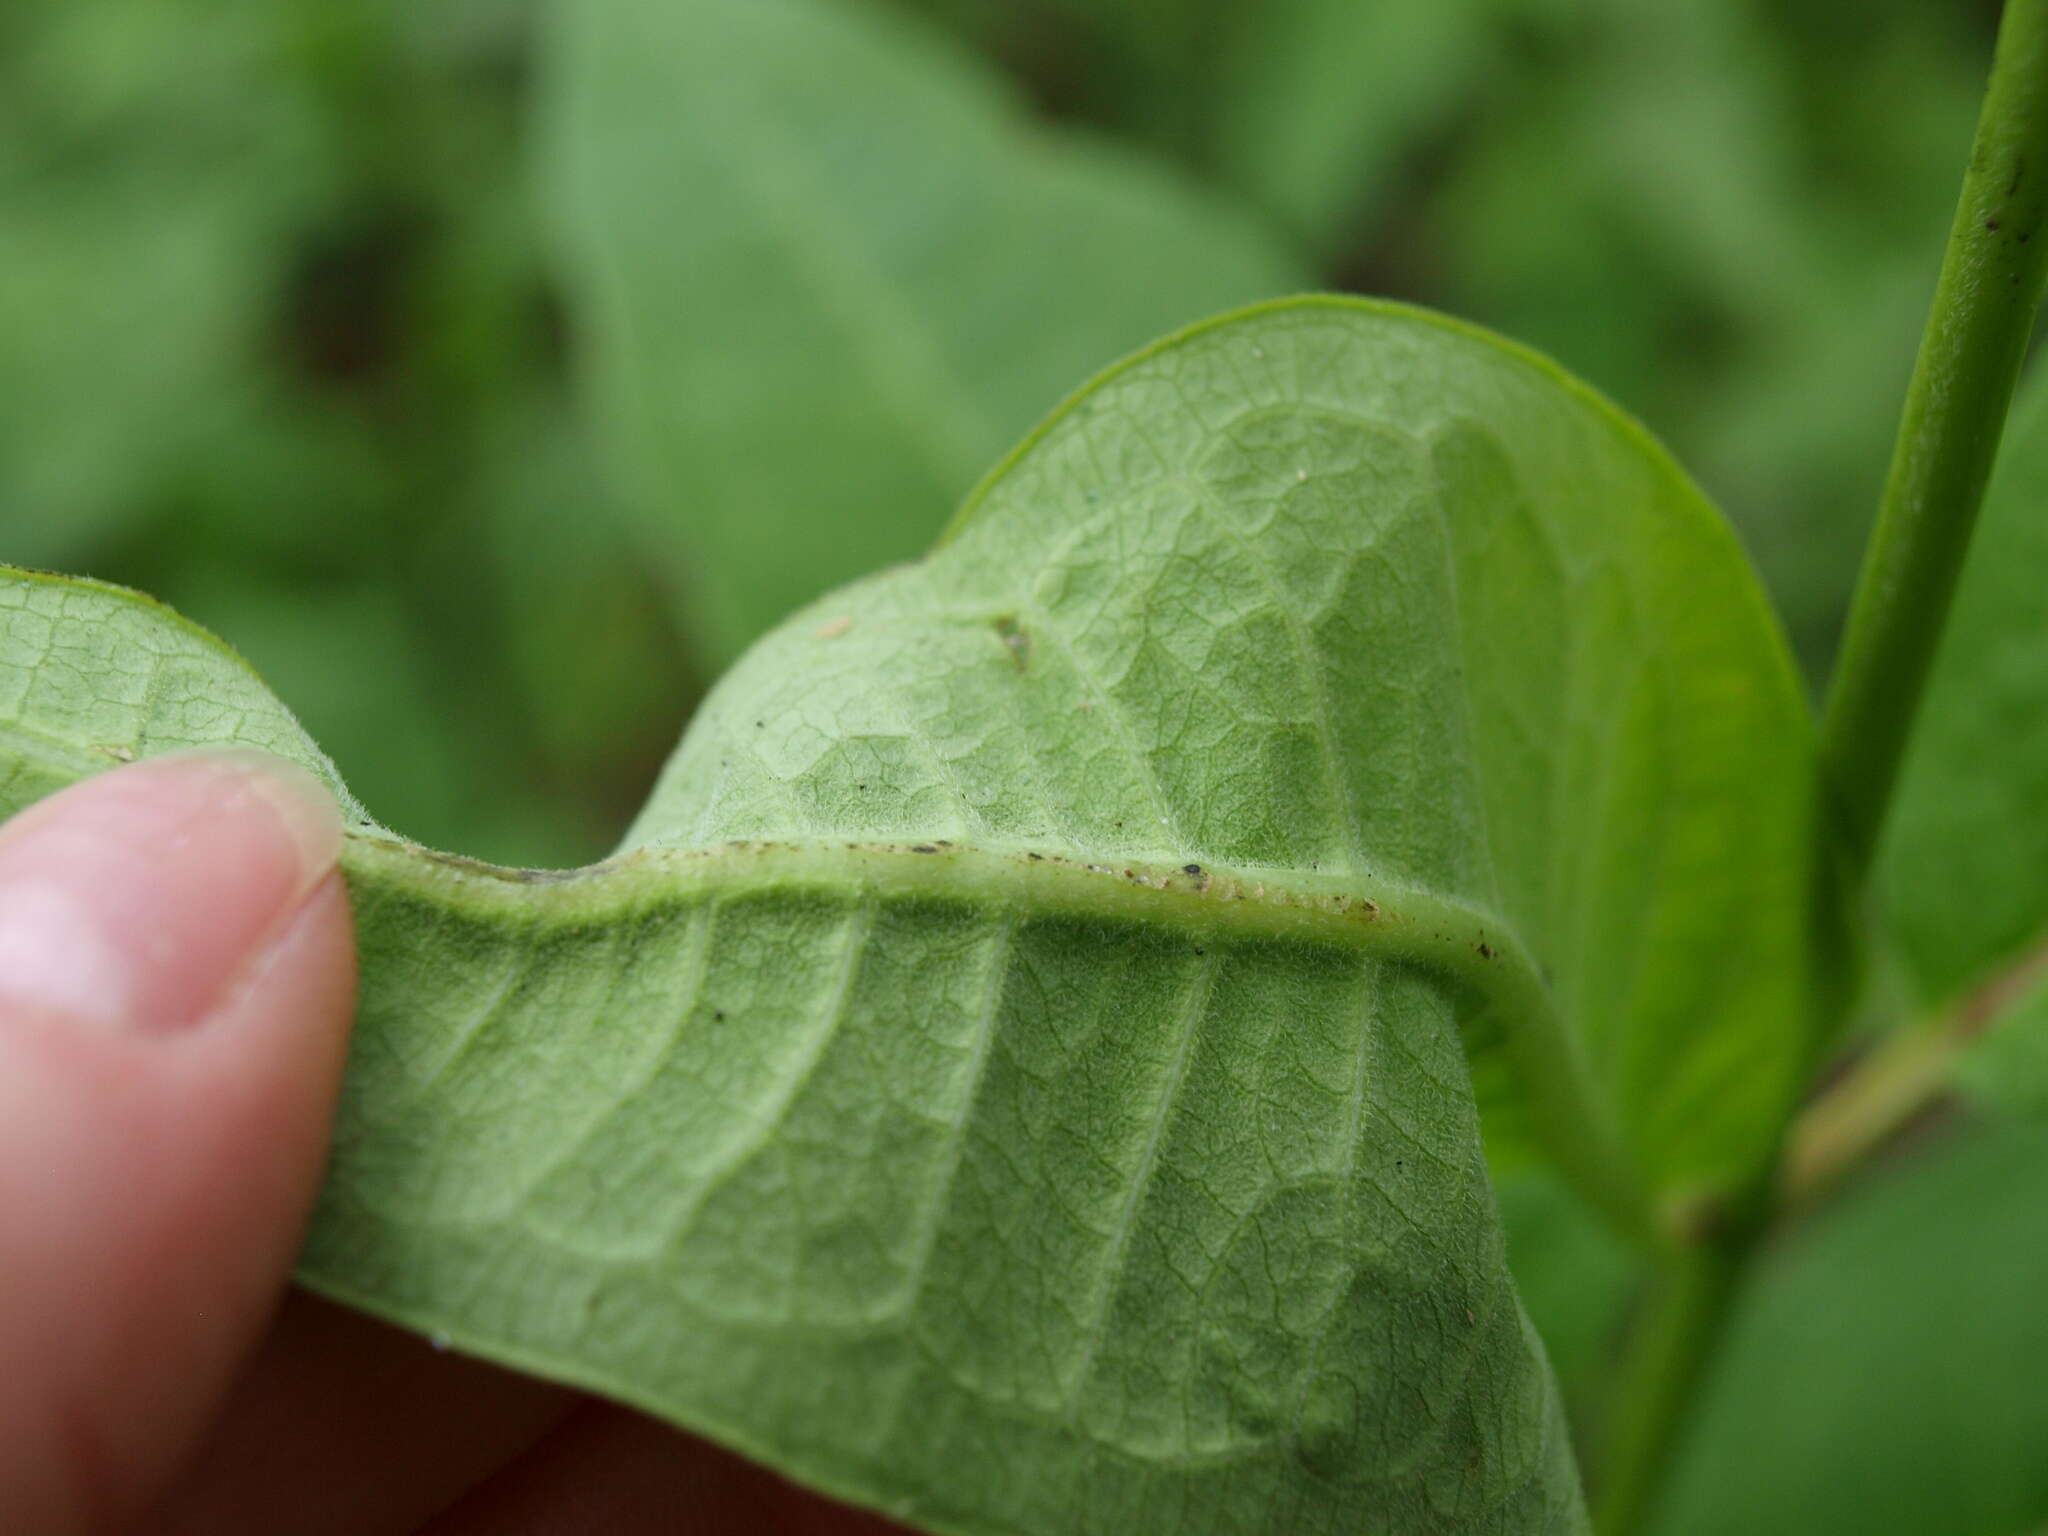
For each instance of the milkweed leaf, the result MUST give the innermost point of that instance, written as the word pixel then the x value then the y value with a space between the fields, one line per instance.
pixel 1015 1072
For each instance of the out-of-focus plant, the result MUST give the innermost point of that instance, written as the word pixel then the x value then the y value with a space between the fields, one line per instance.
pixel 492 377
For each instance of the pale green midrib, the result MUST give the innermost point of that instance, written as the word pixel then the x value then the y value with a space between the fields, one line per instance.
pixel 1384 920
pixel 1238 901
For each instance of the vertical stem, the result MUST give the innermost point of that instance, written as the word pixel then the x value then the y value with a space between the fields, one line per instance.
pixel 1990 286
pixel 1668 1349
pixel 1883 1093
pixel 1977 331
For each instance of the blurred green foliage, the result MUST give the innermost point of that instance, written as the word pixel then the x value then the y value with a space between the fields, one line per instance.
pixel 281 346
pixel 305 327
pixel 1883 1375
pixel 285 331
pixel 907 274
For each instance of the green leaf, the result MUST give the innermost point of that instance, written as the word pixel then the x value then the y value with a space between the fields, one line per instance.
pixel 1575 1278
pixel 153 160
pixel 595 663
pixel 1600 739
pixel 1012 1074
pixel 1727 217
pixel 1319 99
pixel 2006 1066
pixel 826 271
pixel 1305 109
pixel 1883 1378
pixel 1964 865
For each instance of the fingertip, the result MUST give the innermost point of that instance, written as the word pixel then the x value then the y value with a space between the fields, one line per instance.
pixel 132 900
pixel 177 976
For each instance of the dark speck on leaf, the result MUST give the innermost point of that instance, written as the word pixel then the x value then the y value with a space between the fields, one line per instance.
pixel 544 876
pixel 1991 223
pixel 718 1015
pixel 1191 869
pixel 1038 858
pixel 1014 639
pixel 923 848
pixel 1485 951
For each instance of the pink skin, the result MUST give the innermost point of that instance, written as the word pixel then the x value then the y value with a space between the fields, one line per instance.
pixel 177 978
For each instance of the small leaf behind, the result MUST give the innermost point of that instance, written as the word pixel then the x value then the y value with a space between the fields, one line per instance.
pixel 1883 1377
pixel 827 272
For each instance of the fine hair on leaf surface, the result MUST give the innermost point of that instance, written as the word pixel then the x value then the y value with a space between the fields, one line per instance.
pixel 1026 1031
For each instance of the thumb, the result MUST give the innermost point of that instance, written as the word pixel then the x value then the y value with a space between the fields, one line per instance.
pixel 177 975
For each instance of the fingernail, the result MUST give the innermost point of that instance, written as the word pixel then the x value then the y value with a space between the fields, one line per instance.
pixel 133 900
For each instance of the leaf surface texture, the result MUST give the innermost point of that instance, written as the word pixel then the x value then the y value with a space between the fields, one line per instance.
pixel 1015 1073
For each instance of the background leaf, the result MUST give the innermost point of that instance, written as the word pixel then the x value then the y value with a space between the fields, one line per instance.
pixel 120 367
pixel 1317 99
pixel 279 340
pixel 280 314
pixel 1728 220
pixel 827 271
pixel 1885 1374
pixel 1964 866
pixel 1306 109
pixel 2007 1067
pixel 1576 1277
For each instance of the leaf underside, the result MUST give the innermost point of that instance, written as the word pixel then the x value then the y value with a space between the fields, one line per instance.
pixel 1012 1076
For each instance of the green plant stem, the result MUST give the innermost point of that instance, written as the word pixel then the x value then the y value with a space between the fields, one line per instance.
pixel 1887 1090
pixel 1696 1285
pixel 1976 337
pixel 1900 1079
pixel 1668 1349
pixel 1991 283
